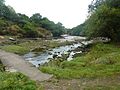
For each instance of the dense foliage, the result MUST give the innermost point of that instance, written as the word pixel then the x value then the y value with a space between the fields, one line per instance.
pixel 78 30
pixel 56 29
pixel 12 23
pixel 104 20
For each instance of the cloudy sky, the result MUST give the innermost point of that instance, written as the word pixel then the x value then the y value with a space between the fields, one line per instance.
pixel 69 12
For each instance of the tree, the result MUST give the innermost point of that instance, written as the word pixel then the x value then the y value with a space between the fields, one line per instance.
pixel 22 20
pixel 104 21
pixel 12 23
pixel 36 18
pixel 78 30
pixel 94 5
pixel 29 31
pixel 56 29
pixel 2 2
pixel 7 12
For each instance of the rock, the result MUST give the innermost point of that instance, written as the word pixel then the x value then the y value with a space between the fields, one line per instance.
pixel 12 39
pixel 54 56
pixel 49 53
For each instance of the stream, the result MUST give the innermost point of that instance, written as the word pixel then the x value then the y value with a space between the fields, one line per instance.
pixel 46 56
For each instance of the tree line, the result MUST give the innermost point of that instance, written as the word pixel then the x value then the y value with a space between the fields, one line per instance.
pixel 103 20
pixel 12 23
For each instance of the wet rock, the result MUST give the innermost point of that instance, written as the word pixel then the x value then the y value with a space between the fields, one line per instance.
pixel 55 55
pixel 49 53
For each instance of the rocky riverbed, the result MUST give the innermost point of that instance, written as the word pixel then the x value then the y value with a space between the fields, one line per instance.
pixel 66 52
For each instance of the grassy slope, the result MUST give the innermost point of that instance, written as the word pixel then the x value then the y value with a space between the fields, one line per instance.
pixel 102 60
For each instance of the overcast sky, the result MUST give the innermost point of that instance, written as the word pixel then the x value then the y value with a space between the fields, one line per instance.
pixel 69 12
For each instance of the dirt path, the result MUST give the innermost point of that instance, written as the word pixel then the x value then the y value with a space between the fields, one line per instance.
pixel 15 62
pixel 101 83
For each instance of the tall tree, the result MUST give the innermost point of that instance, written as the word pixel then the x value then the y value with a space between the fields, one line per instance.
pixel 105 20
pixel 2 2
pixel 36 18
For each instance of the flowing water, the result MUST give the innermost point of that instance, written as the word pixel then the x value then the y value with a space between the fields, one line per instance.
pixel 44 57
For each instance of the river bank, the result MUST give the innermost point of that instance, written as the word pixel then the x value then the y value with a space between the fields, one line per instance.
pixel 98 69
pixel 22 48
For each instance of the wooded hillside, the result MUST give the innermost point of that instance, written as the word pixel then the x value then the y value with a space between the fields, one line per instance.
pixel 17 24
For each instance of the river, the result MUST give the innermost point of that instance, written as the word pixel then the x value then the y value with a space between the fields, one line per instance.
pixel 46 56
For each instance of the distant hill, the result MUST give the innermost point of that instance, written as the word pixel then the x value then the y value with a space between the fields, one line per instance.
pixel 17 24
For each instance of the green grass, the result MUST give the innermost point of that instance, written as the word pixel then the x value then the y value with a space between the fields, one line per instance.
pixel 15 49
pixel 15 81
pixel 103 60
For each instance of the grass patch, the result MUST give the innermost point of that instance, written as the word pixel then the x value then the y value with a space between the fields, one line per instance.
pixel 15 49
pixel 17 81
pixel 103 60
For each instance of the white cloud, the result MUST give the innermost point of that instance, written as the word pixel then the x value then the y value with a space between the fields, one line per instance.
pixel 69 12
